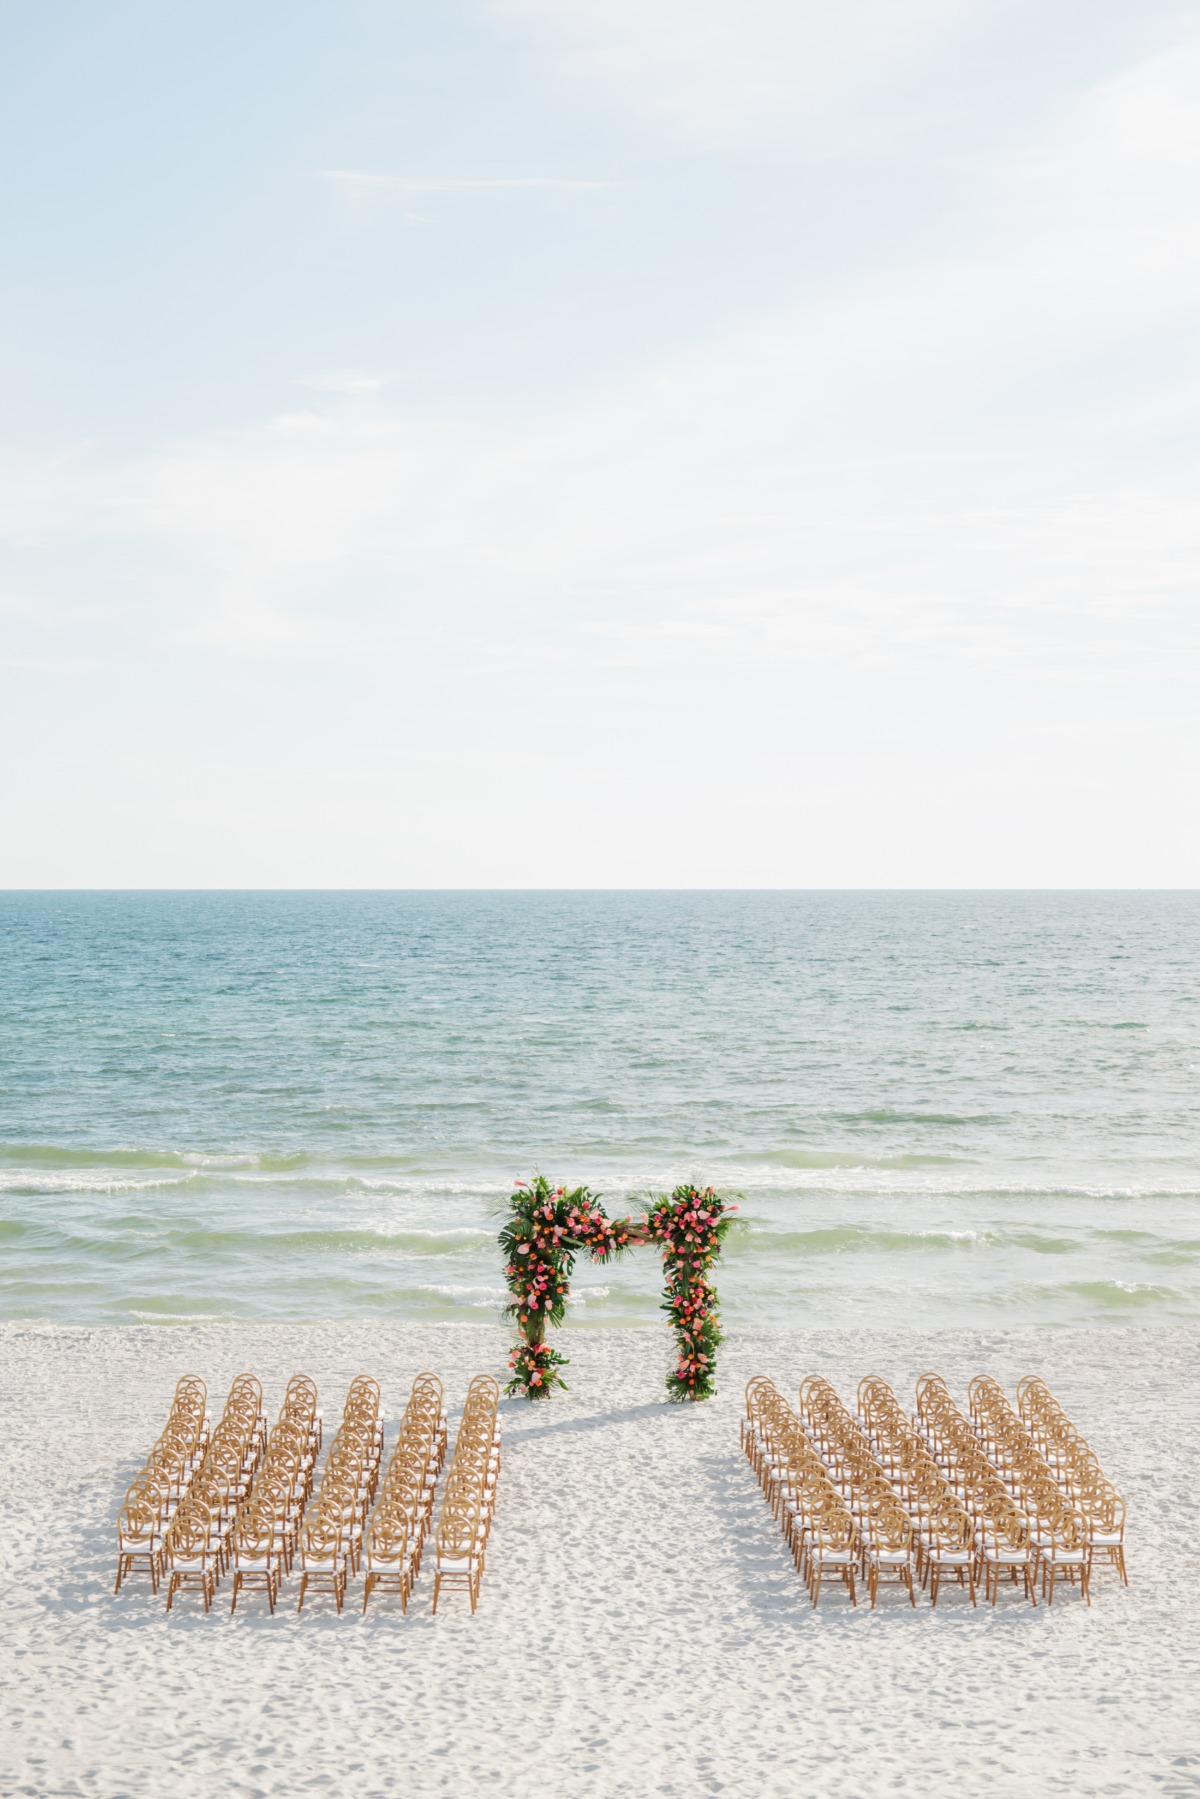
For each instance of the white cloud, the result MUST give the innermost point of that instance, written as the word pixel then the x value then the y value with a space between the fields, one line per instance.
pixel 364 179
pixel 735 71
pixel 868 476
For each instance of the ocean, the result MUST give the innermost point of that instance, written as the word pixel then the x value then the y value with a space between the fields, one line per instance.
pixel 939 1108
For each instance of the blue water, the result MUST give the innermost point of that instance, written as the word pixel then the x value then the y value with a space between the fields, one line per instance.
pixel 941 1108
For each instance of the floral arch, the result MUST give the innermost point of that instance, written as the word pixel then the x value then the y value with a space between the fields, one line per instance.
pixel 549 1226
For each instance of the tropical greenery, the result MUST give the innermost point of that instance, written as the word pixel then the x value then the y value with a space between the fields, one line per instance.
pixel 548 1227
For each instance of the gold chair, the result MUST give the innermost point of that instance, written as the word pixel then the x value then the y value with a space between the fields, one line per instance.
pixel 323 1560
pixel 1005 1547
pixel 887 1551
pixel 392 1557
pixel 139 1544
pixel 457 1560
pixel 948 1547
pixel 189 1553
pixel 1064 1550
pixel 256 1556
pixel 832 1550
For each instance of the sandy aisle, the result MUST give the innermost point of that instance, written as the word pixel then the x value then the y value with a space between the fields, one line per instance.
pixel 641 1630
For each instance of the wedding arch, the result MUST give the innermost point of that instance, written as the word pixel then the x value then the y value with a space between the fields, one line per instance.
pixel 549 1226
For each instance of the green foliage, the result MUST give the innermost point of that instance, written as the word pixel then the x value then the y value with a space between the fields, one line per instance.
pixel 691 1224
pixel 549 1226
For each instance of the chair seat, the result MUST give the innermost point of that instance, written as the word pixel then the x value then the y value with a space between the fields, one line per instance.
pixel 457 1564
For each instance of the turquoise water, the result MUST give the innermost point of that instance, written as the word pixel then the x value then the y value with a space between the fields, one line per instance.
pixel 941 1108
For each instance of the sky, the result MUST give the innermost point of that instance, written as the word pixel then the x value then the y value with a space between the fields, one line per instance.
pixel 599 443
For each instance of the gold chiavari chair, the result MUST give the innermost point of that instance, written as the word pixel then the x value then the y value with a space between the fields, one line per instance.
pixel 888 1550
pixel 1104 1512
pixel 947 1546
pixel 1005 1547
pixel 257 1555
pixel 458 1560
pixel 323 1558
pixel 139 1543
pixel 1062 1549
pixel 189 1553
pixel 393 1554
pixel 832 1550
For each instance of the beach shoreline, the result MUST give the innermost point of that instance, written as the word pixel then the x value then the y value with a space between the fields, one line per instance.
pixel 640 1628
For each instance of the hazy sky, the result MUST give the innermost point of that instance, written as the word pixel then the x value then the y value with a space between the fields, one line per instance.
pixel 600 442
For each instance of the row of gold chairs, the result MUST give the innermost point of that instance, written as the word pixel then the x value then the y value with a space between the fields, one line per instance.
pixel 331 1538
pixel 161 1482
pixel 943 1539
pixel 198 1541
pixel 816 1522
pixel 268 1524
pixel 1004 1540
pixel 469 1500
pixel 400 1522
pixel 1076 1468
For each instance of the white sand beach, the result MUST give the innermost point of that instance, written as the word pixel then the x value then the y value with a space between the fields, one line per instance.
pixel 641 1630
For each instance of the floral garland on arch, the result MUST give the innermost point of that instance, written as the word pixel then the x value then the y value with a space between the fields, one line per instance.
pixel 549 1226
pixel 692 1224
pixel 546 1229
